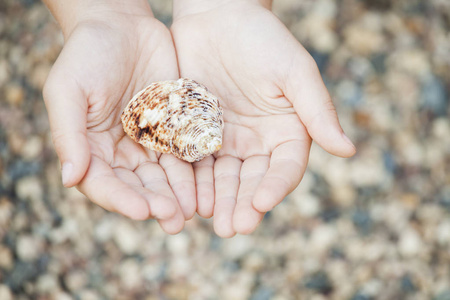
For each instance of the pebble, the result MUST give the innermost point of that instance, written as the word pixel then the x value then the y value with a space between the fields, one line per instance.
pixel 6 212
pixel 127 237
pixel 75 280
pixel 130 274
pixel 320 282
pixel 178 244
pixel 59 295
pixel 410 243
pixel 443 233
pixel 363 41
pixel 29 188
pixel 5 292
pixel 15 94
pixel 6 258
pixel 47 284
pixel 308 205
pixel 237 246
pixel 33 147
pixel 89 295
pixel 29 247
pixel 322 238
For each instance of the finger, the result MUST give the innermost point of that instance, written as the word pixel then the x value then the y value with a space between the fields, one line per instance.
pixel 246 218
pixel 287 166
pixel 226 182
pixel 67 110
pixel 154 179
pixel 103 187
pixel 311 100
pixel 204 180
pixel 181 178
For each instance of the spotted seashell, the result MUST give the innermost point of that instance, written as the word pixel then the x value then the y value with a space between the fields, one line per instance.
pixel 180 117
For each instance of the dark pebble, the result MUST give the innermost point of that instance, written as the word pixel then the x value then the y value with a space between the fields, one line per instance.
pixel 407 284
pixel 21 273
pixel 319 282
pixel 445 295
pixel 362 221
pixel 434 96
pixel 262 293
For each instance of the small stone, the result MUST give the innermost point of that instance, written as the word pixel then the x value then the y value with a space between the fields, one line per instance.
pixel 179 267
pixel 5 292
pixel 372 288
pixel 362 40
pixel 6 258
pixel 89 295
pixel 412 60
pixel 23 273
pixel 368 169
pixel 263 293
pixel 308 205
pixel 47 283
pixel 14 94
pixel 127 237
pixel 237 246
pixel 104 229
pixel 443 233
pixel 61 296
pixel 29 188
pixel 32 148
pixel 28 247
pixel 130 274
pixel 444 295
pixel 322 238
pixel 16 142
pixel 343 195
pixel 410 243
pixel 320 282
pixel 178 244
pixel 75 280
pixel 6 211
pixel 5 71
pixel 254 262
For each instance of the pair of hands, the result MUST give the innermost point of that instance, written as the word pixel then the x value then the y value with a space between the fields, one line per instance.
pixel 273 97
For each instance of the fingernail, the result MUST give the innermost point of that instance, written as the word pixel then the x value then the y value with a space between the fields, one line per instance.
pixel 66 172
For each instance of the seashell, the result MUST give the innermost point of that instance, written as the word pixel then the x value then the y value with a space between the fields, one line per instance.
pixel 180 117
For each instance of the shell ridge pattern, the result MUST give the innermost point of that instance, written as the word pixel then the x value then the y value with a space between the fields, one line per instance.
pixel 180 117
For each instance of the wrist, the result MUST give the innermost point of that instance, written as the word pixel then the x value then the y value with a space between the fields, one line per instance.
pixel 71 13
pixel 182 8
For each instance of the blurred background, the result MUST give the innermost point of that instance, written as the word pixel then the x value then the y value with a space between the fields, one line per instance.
pixel 376 226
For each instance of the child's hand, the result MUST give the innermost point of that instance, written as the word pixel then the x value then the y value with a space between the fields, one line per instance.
pixel 274 102
pixel 104 62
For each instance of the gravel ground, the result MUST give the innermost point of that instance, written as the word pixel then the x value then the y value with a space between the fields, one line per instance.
pixel 376 226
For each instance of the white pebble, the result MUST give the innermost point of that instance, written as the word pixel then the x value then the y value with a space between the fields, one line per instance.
pixel 5 292
pixel 178 244
pixel 127 237
pixel 28 247
pixel 410 243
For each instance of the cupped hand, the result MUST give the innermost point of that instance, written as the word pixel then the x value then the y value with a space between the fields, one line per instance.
pixel 274 102
pixel 102 65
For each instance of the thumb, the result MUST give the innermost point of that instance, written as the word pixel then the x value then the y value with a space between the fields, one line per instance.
pixel 67 110
pixel 306 90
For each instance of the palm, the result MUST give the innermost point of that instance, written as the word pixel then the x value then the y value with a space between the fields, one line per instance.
pixel 235 56
pixel 111 65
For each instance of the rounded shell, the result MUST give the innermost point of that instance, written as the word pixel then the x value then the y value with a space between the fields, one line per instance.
pixel 180 117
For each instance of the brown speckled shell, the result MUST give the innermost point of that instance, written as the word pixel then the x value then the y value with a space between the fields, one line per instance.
pixel 180 117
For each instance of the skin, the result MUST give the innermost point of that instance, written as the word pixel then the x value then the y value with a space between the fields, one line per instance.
pixel 274 102
pixel 273 97
pixel 102 65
